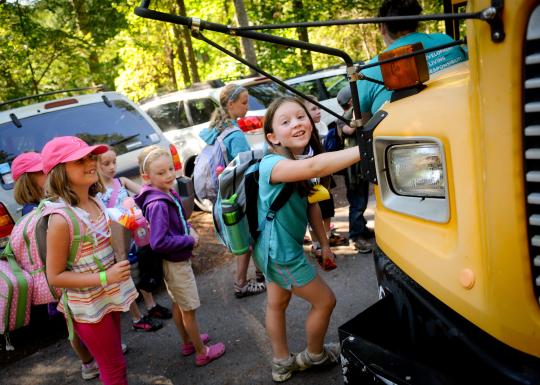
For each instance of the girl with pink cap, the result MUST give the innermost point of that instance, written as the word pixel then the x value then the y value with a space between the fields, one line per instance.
pixel 27 170
pixel 29 180
pixel 96 287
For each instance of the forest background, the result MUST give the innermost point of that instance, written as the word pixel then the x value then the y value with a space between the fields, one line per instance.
pixel 49 45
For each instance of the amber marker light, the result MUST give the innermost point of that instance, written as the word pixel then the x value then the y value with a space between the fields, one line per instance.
pixel 407 72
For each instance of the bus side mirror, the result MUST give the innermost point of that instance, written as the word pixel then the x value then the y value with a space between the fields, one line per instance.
pixel 407 72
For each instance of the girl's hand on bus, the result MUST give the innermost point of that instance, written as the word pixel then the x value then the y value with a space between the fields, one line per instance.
pixel 118 272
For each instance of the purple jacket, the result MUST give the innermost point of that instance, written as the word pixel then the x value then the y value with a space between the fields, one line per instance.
pixel 167 233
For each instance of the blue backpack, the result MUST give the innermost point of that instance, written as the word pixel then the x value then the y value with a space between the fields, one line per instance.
pixel 241 177
pixel 333 142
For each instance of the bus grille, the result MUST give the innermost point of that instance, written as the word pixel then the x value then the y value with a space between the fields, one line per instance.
pixel 531 141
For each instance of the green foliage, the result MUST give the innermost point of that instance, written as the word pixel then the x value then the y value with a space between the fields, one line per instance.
pixel 57 44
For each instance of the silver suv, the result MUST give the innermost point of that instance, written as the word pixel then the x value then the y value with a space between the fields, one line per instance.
pixel 102 117
pixel 183 114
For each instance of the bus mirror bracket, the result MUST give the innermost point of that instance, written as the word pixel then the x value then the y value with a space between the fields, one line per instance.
pixel 364 138
pixel 493 16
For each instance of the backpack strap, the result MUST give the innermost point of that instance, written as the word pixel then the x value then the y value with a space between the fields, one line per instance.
pixel 114 195
pixel 280 201
pixel 221 137
pixel 76 228
pixel 77 240
pixel 30 217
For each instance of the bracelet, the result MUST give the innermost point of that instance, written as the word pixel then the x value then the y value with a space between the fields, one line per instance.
pixel 103 278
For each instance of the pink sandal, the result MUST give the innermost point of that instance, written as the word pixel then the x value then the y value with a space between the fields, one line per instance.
pixel 213 352
pixel 188 348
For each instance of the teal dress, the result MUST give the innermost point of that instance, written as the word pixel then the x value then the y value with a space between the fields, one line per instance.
pixel 279 251
pixel 372 95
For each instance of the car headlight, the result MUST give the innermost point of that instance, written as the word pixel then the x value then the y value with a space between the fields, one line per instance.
pixel 417 170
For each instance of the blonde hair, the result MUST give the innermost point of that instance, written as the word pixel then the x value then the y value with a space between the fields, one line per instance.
pixel 150 154
pixel 57 186
pixel 27 190
pixel 220 119
pixel 306 102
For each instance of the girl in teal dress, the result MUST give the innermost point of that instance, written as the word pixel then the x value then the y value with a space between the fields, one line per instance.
pixel 295 156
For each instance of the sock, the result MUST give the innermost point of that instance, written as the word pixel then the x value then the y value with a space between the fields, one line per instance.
pixel 88 364
pixel 328 233
pixel 135 321
pixel 315 357
pixel 283 361
pixel 316 245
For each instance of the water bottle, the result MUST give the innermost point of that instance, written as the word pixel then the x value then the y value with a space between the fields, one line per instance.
pixel 141 229
pixel 236 227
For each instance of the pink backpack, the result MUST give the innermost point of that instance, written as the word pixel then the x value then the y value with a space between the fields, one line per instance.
pixel 15 293
pixel 28 246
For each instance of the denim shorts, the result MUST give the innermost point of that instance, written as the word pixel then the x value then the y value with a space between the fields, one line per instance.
pixel 297 273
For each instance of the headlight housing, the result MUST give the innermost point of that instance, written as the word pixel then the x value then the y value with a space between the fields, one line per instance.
pixel 412 176
pixel 416 170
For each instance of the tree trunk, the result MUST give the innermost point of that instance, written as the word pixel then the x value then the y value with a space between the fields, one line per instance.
pixel 189 46
pixel 81 15
pixel 170 64
pixel 302 33
pixel 247 44
pixel 182 56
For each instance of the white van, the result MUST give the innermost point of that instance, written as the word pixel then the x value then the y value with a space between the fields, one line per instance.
pixel 101 117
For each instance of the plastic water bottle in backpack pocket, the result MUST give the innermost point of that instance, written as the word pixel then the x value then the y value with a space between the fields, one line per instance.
pixel 235 226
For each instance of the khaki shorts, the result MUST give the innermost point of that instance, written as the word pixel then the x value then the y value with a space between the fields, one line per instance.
pixel 180 282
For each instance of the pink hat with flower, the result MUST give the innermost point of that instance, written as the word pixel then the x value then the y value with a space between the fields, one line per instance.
pixel 67 149
pixel 26 162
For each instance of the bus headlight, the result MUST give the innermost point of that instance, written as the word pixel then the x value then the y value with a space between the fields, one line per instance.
pixel 416 170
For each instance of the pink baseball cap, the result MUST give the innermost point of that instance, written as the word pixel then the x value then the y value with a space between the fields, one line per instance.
pixel 67 149
pixel 26 162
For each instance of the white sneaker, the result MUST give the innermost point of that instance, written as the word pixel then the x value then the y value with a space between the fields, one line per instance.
pixel 90 370
pixel 283 370
pixel 330 356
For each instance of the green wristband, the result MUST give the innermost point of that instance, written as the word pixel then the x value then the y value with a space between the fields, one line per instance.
pixel 103 278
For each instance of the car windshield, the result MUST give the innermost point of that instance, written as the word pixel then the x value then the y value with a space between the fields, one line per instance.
pixel 262 94
pixel 120 126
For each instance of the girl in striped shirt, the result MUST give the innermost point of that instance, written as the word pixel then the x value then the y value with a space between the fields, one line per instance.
pixel 96 288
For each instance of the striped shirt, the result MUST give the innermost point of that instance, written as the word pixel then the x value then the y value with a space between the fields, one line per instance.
pixel 90 305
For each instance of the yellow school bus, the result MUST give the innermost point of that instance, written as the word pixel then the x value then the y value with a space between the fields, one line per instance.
pixel 457 218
